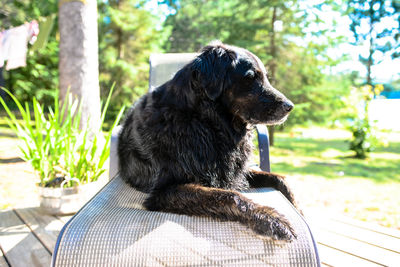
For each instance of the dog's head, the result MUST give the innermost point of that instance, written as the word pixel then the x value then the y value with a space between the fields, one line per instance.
pixel 237 78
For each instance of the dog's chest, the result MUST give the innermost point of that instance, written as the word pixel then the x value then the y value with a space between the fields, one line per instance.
pixel 228 169
pixel 199 148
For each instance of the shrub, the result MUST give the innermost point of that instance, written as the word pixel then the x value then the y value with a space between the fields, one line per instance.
pixel 365 137
pixel 54 144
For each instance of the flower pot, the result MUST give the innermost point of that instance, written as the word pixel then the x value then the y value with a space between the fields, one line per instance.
pixel 63 201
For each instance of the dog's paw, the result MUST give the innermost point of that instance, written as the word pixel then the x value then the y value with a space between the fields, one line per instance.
pixel 270 223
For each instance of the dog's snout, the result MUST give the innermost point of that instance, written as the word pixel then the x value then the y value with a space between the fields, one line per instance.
pixel 288 105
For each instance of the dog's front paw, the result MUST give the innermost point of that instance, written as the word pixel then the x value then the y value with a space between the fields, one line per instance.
pixel 268 222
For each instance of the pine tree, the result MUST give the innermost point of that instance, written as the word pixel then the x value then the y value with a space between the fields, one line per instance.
pixel 274 30
pixel 371 23
pixel 129 35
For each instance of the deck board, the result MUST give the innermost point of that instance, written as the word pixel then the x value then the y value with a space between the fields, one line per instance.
pixel 357 248
pixel 28 237
pixel 45 227
pixel 375 238
pixel 3 262
pixel 369 226
pixel 19 244
pixel 333 257
pixel 65 218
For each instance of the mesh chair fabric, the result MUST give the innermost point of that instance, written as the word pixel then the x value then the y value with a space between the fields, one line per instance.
pixel 113 229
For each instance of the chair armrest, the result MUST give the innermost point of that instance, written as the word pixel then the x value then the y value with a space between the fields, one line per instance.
pixel 263 146
pixel 114 151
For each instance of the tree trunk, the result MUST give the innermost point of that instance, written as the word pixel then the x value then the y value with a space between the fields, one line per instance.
pixel 120 52
pixel 78 66
pixel 272 66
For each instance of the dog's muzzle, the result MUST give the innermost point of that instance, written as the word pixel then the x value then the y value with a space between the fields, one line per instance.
pixel 288 105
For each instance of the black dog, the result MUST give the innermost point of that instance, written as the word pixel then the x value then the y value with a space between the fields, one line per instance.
pixel 187 142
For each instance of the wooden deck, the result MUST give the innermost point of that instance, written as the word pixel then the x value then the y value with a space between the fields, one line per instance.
pixel 28 237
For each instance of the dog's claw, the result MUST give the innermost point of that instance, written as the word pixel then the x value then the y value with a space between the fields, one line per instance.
pixel 277 228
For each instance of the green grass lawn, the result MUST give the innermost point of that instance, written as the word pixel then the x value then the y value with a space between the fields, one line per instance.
pixel 325 153
pixel 320 165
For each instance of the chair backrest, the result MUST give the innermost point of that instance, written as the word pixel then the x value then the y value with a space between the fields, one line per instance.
pixel 164 66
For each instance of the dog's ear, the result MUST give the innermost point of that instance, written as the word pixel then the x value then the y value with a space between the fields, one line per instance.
pixel 209 70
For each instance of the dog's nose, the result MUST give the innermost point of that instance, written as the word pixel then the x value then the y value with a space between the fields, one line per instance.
pixel 288 105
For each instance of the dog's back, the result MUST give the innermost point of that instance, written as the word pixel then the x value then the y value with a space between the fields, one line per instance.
pixel 136 162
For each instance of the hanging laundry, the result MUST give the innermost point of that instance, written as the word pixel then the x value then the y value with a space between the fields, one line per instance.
pixel 33 31
pixel 15 44
pixel 46 25
pixel 2 49
pixel 2 82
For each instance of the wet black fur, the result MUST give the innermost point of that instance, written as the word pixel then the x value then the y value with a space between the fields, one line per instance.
pixel 188 142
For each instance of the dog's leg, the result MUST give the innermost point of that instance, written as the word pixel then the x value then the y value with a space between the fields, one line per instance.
pixel 259 179
pixel 193 199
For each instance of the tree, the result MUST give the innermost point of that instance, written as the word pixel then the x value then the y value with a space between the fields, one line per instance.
pixel 279 11
pixel 130 33
pixel 16 12
pixel 40 76
pixel 274 31
pixel 196 23
pixel 78 66
pixel 367 18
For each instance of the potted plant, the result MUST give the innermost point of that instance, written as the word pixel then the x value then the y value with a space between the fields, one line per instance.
pixel 69 160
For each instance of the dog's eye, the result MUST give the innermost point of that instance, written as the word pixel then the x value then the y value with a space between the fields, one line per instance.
pixel 250 75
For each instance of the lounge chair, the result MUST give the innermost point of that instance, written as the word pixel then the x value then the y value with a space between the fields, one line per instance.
pixel 114 229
